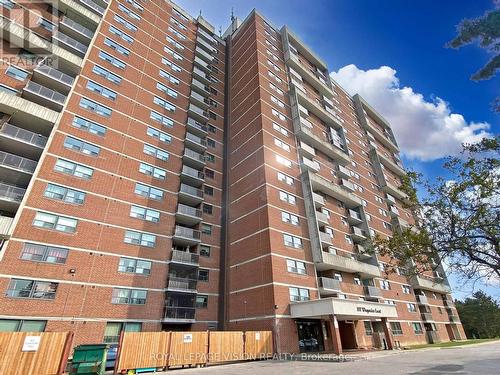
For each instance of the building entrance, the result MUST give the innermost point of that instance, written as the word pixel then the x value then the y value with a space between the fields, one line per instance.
pixel 310 336
pixel 347 335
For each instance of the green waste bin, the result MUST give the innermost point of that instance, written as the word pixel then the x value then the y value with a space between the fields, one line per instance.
pixel 89 359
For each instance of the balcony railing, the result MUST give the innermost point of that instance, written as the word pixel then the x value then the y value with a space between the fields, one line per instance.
pixel 422 299
pixel 354 216
pixel 188 210
pixel 427 317
pixel 70 42
pixel 5 224
pixel 11 193
pixel 55 74
pixel 185 232
pixel 179 313
pixel 197 126
pixel 194 155
pixel 329 283
pixel 23 135
pixel 192 172
pixel 44 92
pixel 77 27
pixel 182 283
pixel 17 162
pixel 92 6
pixel 191 191
pixel 325 238
pixel 185 257
pixel 372 291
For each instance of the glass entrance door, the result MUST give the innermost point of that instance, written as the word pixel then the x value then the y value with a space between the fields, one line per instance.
pixel 310 336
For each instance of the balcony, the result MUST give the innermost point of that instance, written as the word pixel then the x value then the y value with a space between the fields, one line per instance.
pixel 187 215
pixel 202 64
pixel 394 212
pixel 325 238
pixel 26 112
pixel 204 55
pixel 21 141
pixel 454 319
pixel 319 201
pixel 202 43
pixel 209 38
pixel 195 143
pixel 190 195
pixel 306 150
pixel 179 315
pixel 347 185
pixel 196 128
pixel 16 169
pixel 448 302
pixel 432 337
pixel 362 253
pixel 427 317
pixel 337 262
pixel 192 176
pixel 372 291
pixel 186 236
pixel 10 197
pixel 358 235
pixel 329 286
pixel 70 44
pixel 311 105
pixel 197 113
pixel 321 184
pixel 75 30
pixel 428 283
pixel 200 87
pixel 353 217
pixel 390 163
pixel 53 78
pixel 202 76
pixel 422 300
pixel 185 258
pixel 5 226
pixel 193 158
pixel 322 218
pixel 181 284
pixel 343 172
pixel 310 165
pixel 200 101
pixel 389 199
pixel 394 191
pixel 44 96
pixel 92 6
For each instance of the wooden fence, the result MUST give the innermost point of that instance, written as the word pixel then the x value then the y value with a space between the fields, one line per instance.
pixel 27 353
pixel 173 349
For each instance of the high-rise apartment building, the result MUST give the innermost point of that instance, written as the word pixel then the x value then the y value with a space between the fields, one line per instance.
pixel 158 176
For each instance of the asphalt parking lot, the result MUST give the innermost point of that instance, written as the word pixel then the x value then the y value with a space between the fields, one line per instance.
pixel 481 359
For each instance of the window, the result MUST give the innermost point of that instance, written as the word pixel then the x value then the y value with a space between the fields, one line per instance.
pixel 385 285
pixel 281 144
pixel 289 218
pixel 208 190
pixel 125 23
pixel 208 209
pixel 368 328
pixel 204 250
pixel 417 328
pixel 112 60
pixel 101 90
pixel 138 238
pixel 357 281
pixel 129 296
pixel 171 65
pixel 55 222
pixel 295 266
pixel 156 152
pixel 279 115
pixel 298 294
pixel 348 239
pixel 161 136
pixel 169 77
pixel 280 129
pixel 210 158
pixel 212 129
pixel 284 178
pixel 292 241
pixel 121 34
pixel 155 172
pixel 117 47
pixel 177 33
pixel 44 253
pixel 8 90
pixel 129 12
pixel 396 328
pixel 47 25
pixel 280 159
pixel 88 126
pixel 8 4
pixel 202 275
pixel 287 197
pixel 278 102
pixel 164 120
pixel 95 107
pixel 129 265
pixel 411 307
pixel 15 325
pixel 148 191
pixel 64 194
pixel 406 289
pixel 172 53
pixel 113 330
pixel 201 301
pixel 167 90
pixel 173 42
pixel 210 143
pixel 145 214
pixel 74 169
pixel 135 5
pixel 209 173
pixel 275 88
pixel 178 24
pixel 163 103
pixel 206 229
pixel 80 146
pixel 22 288
pixel 16 73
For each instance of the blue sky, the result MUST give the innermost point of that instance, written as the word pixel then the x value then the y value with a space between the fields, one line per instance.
pixel 408 37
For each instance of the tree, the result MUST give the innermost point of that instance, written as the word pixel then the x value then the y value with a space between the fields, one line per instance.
pixel 480 316
pixel 457 221
pixel 486 29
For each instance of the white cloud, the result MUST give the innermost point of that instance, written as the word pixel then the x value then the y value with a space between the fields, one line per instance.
pixel 425 130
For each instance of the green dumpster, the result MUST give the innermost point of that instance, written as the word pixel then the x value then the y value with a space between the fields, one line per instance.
pixel 89 359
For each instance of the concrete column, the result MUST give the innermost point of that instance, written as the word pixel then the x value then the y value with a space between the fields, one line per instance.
pixel 334 329
pixel 388 334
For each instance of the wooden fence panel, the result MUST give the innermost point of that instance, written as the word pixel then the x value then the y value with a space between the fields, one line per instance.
pixel 188 348
pixel 226 346
pixel 144 350
pixel 258 344
pixel 44 361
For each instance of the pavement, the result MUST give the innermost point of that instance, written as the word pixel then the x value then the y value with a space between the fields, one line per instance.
pixel 477 359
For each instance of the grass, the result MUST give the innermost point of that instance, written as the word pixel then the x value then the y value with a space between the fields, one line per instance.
pixel 449 344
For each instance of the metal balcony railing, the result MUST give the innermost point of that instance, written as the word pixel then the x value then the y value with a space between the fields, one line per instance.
pixel 191 190
pixel 195 139
pixel 197 125
pixel 70 42
pixel 185 257
pixel 23 135
pixel 194 155
pixel 182 283
pixel 11 193
pixel 186 232
pixel 192 172
pixel 77 27
pixel 188 210
pixel 18 162
pixel 181 313
pixel 93 6
pixel 329 283
pixel 372 291
pixel 55 74
pixel 44 92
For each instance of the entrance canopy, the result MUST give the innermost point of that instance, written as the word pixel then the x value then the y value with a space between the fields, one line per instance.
pixel 342 308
